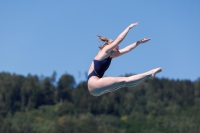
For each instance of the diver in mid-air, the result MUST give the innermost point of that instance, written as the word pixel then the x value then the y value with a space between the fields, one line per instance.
pixel 97 84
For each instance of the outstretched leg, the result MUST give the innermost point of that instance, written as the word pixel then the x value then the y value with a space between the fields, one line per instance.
pixel 103 85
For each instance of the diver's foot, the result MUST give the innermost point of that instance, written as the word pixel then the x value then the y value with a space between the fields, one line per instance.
pixel 155 71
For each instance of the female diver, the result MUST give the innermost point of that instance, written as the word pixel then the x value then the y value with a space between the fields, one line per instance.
pixel 97 84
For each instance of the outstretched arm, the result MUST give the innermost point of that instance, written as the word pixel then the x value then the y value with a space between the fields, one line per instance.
pixel 131 46
pixel 120 38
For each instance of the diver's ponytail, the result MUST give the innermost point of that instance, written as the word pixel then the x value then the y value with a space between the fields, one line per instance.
pixel 103 39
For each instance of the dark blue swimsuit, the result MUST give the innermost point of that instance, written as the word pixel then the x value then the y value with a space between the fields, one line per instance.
pixel 100 66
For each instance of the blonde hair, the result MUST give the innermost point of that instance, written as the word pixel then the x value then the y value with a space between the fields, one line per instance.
pixel 105 40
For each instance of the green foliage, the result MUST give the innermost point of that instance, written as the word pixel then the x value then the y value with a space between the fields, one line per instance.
pixel 65 85
pixel 33 104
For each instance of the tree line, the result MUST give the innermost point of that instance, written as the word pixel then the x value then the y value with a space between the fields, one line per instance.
pixel 33 104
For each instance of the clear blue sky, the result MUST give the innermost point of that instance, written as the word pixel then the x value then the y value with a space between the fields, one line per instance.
pixel 39 37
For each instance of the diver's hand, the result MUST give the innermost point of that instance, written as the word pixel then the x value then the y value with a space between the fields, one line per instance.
pixel 132 25
pixel 143 40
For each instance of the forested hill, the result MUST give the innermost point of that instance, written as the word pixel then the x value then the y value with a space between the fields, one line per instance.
pixel 32 104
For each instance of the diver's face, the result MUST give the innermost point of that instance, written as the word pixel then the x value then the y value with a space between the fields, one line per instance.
pixel 116 49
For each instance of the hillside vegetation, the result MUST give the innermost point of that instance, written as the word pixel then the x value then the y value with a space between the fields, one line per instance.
pixel 32 104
